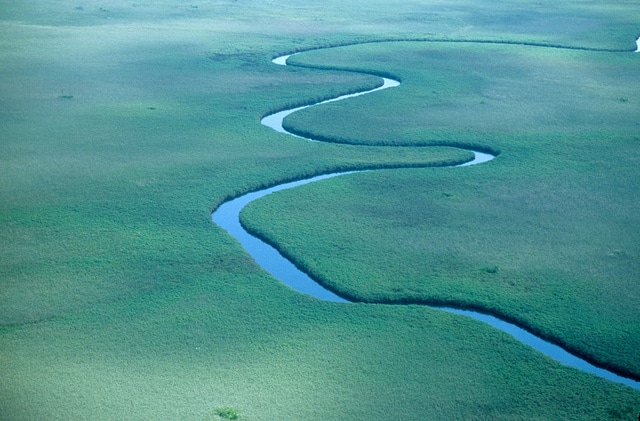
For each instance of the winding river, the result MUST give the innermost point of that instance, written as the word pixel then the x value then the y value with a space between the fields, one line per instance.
pixel 227 216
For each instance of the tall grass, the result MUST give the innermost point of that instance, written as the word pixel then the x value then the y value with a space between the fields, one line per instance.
pixel 118 297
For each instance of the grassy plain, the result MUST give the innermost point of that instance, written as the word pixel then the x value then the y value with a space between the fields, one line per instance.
pixel 545 235
pixel 122 125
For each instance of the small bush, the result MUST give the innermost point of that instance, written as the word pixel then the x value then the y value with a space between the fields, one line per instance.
pixel 227 413
pixel 491 269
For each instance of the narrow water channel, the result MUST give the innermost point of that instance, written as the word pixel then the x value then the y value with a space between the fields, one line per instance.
pixel 227 216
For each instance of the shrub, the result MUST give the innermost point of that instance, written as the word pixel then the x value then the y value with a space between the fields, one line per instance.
pixel 227 413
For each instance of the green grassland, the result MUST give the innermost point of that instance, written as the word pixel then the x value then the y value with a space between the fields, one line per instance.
pixel 123 124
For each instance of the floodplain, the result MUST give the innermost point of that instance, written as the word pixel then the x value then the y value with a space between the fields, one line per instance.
pixel 124 125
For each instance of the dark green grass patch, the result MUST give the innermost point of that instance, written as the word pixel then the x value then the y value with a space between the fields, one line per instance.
pixel 480 94
pixel 545 234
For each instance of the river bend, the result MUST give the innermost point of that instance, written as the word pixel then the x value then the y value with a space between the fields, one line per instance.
pixel 227 216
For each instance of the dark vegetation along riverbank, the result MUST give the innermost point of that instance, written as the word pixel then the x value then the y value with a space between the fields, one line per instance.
pixel 122 126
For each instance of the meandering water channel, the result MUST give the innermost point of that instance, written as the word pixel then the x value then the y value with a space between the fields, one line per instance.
pixel 227 216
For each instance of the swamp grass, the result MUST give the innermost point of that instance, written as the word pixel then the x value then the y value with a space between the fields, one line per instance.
pixel 122 125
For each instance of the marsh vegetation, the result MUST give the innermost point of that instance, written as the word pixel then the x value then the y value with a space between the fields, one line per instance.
pixel 120 300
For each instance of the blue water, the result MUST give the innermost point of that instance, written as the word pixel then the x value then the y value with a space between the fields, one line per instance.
pixel 228 217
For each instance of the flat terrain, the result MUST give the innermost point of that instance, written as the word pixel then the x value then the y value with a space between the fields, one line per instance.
pixel 123 125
